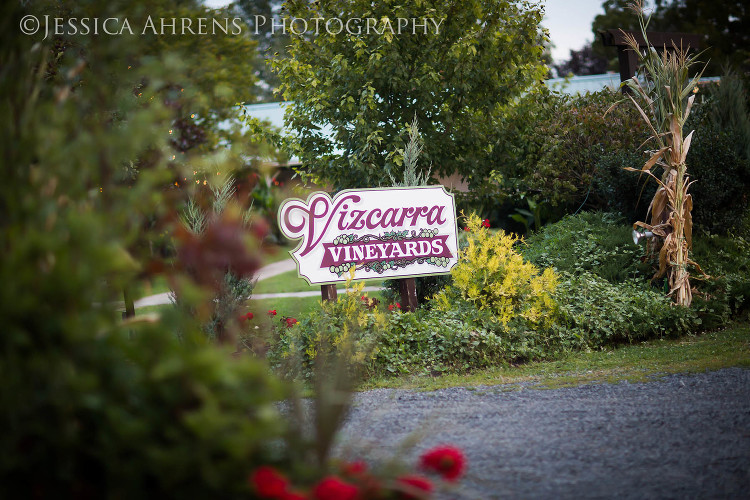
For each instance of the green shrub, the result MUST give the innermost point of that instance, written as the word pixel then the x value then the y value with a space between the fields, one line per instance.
pixel 558 149
pixel 564 151
pixel 580 137
pixel 618 191
pixel 425 342
pixel 730 110
pixel 600 244
pixel 726 293
pixel 348 327
pixel 596 242
pixel 429 342
pixel 598 312
pixel 721 192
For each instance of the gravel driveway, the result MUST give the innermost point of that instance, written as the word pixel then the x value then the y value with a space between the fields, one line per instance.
pixel 683 436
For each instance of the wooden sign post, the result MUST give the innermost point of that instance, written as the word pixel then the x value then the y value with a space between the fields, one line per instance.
pixel 408 289
pixel 328 293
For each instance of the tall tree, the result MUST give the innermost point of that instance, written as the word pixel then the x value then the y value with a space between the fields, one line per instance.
pixel 725 24
pixel 616 15
pixel 453 72
pixel 215 76
pixel 582 62
pixel 263 20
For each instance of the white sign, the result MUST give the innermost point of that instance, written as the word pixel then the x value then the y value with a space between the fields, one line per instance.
pixel 380 233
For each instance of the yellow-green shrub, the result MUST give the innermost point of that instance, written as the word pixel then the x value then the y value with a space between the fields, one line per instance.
pixel 348 328
pixel 492 275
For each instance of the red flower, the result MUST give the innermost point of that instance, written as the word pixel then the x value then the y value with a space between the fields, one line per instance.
pixel 291 495
pixel 447 461
pixel 414 487
pixel 333 488
pixel 354 468
pixel 272 312
pixel 268 482
pixel 467 229
pixel 249 315
pixel 290 322
pixel 486 223
pixel 391 307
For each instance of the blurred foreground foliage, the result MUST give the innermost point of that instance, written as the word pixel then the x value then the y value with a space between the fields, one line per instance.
pixel 94 406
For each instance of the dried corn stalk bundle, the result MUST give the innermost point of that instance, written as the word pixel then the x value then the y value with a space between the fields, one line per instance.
pixel 666 97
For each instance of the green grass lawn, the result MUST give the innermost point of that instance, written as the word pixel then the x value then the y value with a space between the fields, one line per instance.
pixel 291 306
pixel 635 363
pixel 290 282
pixel 294 307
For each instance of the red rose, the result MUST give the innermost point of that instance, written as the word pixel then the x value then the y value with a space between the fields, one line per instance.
pixel 486 223
pixel 272 312
pixel 290 322
pixel 467 229
pixel 268 482
pixel 249 315
pixel 447 461
pixel 333 488
pixel 414 487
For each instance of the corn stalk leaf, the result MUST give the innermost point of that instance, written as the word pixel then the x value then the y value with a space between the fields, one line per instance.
pixel 689 107
pixel 658 206
pixel 688 217
pixel 686 146
pixel 631 169
pixel 676 131
pixel 652 161
pixel 643 114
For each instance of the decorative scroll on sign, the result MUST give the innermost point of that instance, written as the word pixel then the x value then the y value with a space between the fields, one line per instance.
pixel 380 233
